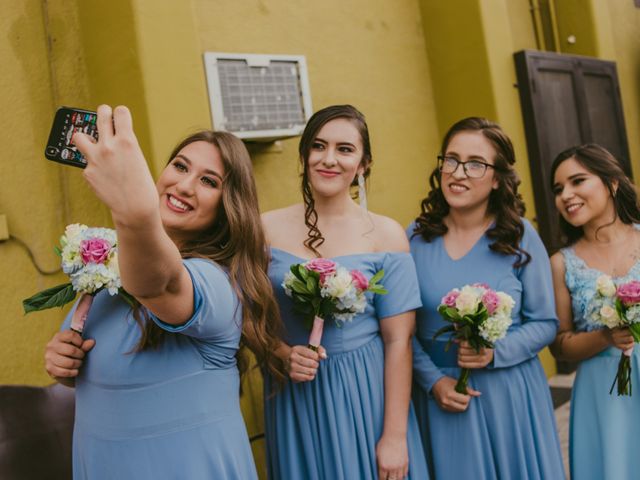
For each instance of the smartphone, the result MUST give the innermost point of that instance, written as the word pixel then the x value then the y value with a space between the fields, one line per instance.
pixel 67 122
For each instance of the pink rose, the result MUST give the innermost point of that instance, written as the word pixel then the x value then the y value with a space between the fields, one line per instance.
pixel 94 250
pixel 362 283
pixel 481 285
pixel 450 298
pixel 629 293
pixel 491 301
pixel 323 266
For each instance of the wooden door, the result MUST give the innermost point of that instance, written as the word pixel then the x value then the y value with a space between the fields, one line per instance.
pixel 566 100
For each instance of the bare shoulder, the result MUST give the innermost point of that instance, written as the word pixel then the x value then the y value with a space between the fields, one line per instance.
pixel 275 222
pixel 389 234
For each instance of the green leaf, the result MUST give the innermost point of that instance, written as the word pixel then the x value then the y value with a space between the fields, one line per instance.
pixel 312 283
pixel 57 296
pixel 378 276
pixel 379 289
pixel 619 308
pixel 443 330
pixel 295 270
pixel 634 328
pixel 299 286
pixel 58 251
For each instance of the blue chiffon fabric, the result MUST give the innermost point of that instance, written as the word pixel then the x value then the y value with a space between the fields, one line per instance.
pixel 171 412
pixel 603 429
pixel 508 432
pixel 328 428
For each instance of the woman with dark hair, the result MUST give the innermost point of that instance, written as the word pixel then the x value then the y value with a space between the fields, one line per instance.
pixel 345 412
pixel 158 397
pixel 471 231
pixel 599 217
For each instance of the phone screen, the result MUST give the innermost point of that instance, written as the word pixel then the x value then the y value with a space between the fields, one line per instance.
pixel 67 122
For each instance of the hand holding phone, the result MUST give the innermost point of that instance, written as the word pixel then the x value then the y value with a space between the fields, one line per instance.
pixel 67 122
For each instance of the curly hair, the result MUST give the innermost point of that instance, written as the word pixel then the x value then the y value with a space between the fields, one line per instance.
pixel 603 164
pixel 314 125
pixel 505 203
pixel 237 242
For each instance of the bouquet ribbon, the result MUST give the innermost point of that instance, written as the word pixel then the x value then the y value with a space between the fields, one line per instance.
pixel 80 314
pixel 316 333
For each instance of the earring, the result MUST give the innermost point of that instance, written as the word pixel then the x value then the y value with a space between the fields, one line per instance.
pixel 362 192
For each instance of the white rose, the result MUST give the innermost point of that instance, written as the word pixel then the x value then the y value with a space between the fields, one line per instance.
pixel 468 301
pixel 605 286
pixel 609 316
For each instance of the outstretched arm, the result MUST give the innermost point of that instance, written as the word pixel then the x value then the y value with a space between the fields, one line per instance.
pixel 151 267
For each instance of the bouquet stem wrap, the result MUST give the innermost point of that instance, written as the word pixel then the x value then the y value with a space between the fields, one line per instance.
pixel 623 376
pixel 315 338
pixel 80 315
pixel 463 380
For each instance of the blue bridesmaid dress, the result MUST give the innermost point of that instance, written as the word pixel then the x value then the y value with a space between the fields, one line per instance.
pixel 328 428
pixel 166 413
pixel 508 432
pixel 603 429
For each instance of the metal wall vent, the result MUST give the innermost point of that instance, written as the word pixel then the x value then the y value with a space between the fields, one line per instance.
pixel 258 97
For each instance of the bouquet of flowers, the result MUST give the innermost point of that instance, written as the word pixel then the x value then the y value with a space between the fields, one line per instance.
pixel 478 315
pixel 90 258
pixel 321 288
pixel 614 307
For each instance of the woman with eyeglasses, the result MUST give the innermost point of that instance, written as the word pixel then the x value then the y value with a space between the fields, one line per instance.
pixel 471 231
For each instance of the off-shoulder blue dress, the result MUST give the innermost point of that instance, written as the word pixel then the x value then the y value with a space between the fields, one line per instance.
pixel 166 413
pixel 603 429
pixel 328 428
pixel 509 432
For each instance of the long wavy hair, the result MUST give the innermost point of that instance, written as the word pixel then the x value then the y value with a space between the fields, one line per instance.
pixel 237 242
pixel 602 163
pixel 505 203
pixel 314 125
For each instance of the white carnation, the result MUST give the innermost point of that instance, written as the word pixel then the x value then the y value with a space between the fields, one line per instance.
pixel 338 285
pixel 495 327
pixel 506 304
pixel 633 314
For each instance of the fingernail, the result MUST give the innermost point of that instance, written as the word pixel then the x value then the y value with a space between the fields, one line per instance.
pixel 323 355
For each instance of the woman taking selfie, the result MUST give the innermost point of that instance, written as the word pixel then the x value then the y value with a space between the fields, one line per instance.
pixel 157 389
pixel 599 217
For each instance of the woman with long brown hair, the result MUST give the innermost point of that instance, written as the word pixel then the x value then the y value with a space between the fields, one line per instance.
pixel 345 412
pixel 157 389
pixel 471 231
pixel 599 221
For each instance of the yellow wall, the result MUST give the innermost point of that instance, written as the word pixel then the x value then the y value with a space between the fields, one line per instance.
pixel 412 66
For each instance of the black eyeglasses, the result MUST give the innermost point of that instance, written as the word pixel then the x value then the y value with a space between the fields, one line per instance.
pixel 472 168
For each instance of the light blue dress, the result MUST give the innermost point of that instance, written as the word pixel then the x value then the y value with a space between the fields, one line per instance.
pixel 328 428
pixel 166 413
pixel 509 432
pixel 603 429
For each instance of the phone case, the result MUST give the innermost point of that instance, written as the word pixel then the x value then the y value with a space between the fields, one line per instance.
pixel 67 121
